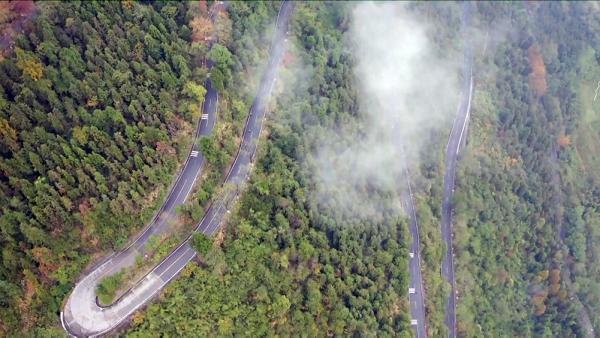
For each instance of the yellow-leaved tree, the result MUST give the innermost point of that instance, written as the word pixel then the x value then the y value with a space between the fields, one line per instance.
pixel 29 64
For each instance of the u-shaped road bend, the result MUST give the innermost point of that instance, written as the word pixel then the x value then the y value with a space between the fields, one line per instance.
pixel 82 316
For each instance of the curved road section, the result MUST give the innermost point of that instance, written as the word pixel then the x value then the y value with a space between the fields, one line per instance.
pixel 457 139
pixel 82 317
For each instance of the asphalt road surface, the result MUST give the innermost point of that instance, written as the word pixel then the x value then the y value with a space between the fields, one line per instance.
pixel 416 293
pixel 458 137
pixel 82 316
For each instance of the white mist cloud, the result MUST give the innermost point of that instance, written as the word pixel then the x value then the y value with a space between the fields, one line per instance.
pixel 407 89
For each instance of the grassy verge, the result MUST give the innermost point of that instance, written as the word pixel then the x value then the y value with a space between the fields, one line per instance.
pixel 115 286
pixel 108 286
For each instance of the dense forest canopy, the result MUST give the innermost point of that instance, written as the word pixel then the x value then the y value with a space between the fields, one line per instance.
pixel 527 199
pixel 92 120
pixel 289 266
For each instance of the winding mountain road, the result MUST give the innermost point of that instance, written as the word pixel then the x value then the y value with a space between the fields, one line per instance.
pixel 457 139
pixel 82 316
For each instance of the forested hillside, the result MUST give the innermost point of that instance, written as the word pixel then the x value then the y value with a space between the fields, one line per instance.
pixel 93 117
pixel 99 102
pixel 527 218
pixel 288 265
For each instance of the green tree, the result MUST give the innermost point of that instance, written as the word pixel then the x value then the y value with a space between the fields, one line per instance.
pixel 195 91
pixel 201 243
pixel 217 78
pixel 220 55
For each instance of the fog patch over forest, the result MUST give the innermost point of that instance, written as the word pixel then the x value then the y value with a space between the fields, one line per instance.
pixel 407 91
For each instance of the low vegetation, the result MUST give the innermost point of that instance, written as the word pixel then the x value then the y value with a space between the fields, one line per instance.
pixel 108 286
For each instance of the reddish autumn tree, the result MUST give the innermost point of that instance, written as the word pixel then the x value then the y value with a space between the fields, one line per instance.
pixel 563 140
pixel 202 28
pixel 537 78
